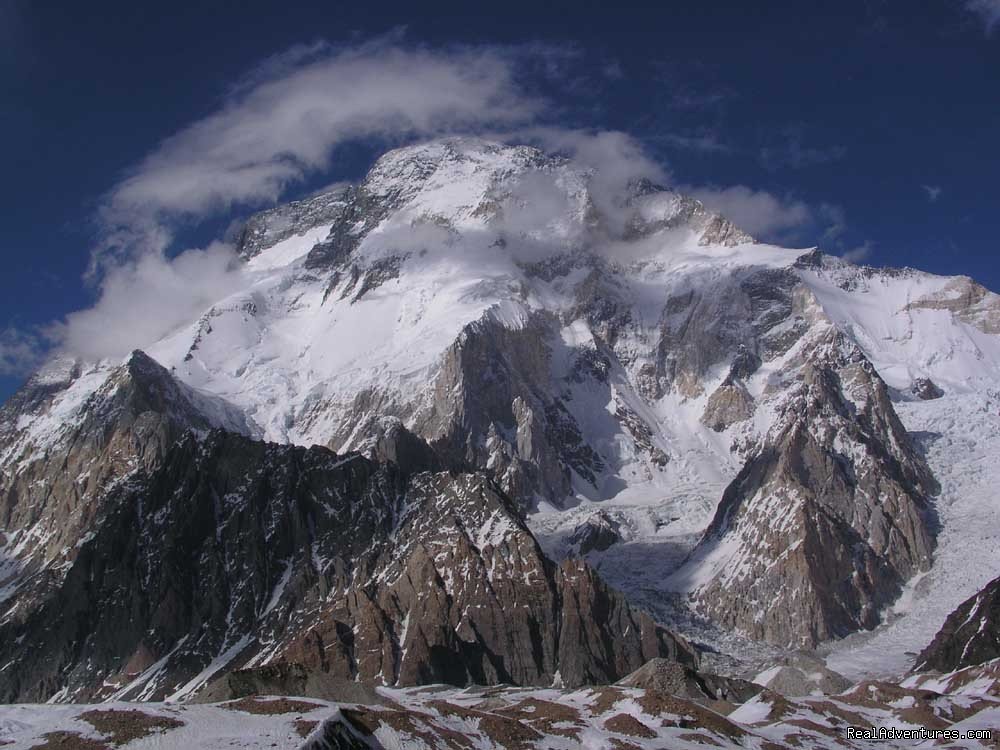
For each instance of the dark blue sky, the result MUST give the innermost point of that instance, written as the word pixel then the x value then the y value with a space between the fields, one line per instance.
pixel 881 120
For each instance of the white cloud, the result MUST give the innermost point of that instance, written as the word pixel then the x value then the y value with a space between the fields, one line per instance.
pixel 783 220
pixel 616 157
pixel 284 120
pixel 283 123
pixel 859 253
pixel 933 192
pixel 276 126
pixel 144 299
pixel 834 219
pixel 758 212
pixel 536 201
pixel 987 10
pixel 20 352
pixel 613 157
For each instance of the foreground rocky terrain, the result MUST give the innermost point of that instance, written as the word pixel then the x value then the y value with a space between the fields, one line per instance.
pixel 441 435
pixel 613 717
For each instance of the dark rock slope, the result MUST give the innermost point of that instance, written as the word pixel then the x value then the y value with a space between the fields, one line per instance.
pixel 970 635
pixel 829 516
pixel 57 463
pixel 232 552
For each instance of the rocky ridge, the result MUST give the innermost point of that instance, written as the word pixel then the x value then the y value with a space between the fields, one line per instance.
pixel 829 516
pixel 224 551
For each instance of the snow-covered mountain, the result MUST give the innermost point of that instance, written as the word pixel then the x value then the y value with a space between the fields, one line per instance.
pixel 747 440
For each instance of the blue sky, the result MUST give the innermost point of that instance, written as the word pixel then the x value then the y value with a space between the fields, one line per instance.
pixel 864 127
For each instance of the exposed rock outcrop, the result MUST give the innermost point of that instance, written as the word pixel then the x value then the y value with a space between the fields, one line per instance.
pixel 239 553
pixel 598 533
pixel 829 516
pixel 970 635
pixel 752 316
pixel 494 409
pixel 925 389
pixel 801 674
pixel 729 403
pixel 69 435
pixel 268 228
pixel 286 679
pixel 968 301
pixel 671 678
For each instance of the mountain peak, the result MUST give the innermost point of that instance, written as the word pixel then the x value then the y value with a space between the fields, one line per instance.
pixel 506 195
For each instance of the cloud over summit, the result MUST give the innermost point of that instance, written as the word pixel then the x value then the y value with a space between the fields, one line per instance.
pixel 283 121
pixel 274 128
pixel 758 212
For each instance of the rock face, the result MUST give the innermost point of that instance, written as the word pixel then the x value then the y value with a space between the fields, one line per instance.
pixel 57 461
pixel 970 635
pixel 925 389
pixel 598 532
pixel 830 514
pixel 968 301
pixel 286 679
pixel 729 404
pixel 494 409
pixel 234 552
pixel 670 678
pixel 267 229
pixel 802 674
